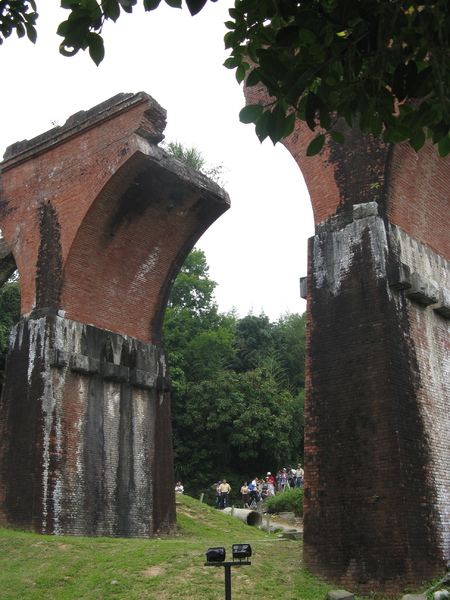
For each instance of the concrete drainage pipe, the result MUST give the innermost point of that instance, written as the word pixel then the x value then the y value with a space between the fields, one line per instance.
pixel 250 517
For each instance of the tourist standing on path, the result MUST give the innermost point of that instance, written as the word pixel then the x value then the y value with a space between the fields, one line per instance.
pixel 245 493
pixel 179 489
pixel 270 484
pixel 224 489
pixel 299 474
pixel 284 479
pixel 217 505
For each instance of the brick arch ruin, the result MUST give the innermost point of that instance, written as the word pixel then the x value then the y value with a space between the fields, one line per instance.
pixel 99 221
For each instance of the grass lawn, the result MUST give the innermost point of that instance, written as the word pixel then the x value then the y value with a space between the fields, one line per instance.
pixel 66 568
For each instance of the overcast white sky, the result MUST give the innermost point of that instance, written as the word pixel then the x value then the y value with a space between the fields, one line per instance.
pixel 257 250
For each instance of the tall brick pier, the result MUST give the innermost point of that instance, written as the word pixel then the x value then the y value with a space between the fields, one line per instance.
pixel 377 421
pixel 99 221
pixel 377 450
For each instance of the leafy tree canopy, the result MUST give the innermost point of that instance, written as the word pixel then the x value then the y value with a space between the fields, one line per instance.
pixel 238 397
pixel 382 65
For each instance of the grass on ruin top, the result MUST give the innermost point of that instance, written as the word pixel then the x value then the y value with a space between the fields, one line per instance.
pixel 34 567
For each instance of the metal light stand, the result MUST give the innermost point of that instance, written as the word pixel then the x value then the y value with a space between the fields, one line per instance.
pixel 228 566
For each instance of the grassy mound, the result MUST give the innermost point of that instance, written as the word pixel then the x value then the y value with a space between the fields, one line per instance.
pixel 35 567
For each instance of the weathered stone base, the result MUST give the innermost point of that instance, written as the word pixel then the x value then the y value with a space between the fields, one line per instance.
pixel 86 433
pixel 376 514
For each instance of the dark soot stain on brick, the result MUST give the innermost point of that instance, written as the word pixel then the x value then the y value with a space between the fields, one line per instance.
pixel 49 262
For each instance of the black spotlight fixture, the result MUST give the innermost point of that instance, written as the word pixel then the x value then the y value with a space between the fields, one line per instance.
pixel 215 555
pixel 241 551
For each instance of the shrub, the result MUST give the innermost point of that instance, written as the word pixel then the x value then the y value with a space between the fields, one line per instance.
pixel 288 501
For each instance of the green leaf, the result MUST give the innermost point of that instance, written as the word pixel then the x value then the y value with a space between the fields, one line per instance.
pixel 376 125
pixel 316 145
pixel 418 140
pixel 261 127
pixel 251 113
pixel 296 83
pixel 111 9
pixel 287 36
pixel 253 78
pixel 313 102
pixel 307 37
pixel 444 146
pixel 289 125
pixel 228 38
pixel 20 30
pixel 325 119
pixel 404 79
pixel 195 6
pixel 96 47
pixel 31 32
pixel 240 73
pixel 151 4
pixel 276 123
pixel 337 137
pixel 440 130
pixel 174 3
pixel 232 62
pixel 273 65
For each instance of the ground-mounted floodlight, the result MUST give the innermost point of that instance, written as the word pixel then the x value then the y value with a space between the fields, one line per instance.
pixel 241 551
pixel 215 557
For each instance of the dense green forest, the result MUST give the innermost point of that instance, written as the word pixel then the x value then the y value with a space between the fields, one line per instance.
pixel 238 383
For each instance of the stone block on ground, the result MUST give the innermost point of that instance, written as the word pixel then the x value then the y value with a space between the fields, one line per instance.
pixel 339 595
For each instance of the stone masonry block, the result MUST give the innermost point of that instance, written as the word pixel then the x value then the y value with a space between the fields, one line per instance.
pixel 362 211
pixel 84 364
pixel 143 379
pixel 58 357
pixel 422 291
pixel 399 276
pixel 113 372
pixel 443 306
pixel 164 384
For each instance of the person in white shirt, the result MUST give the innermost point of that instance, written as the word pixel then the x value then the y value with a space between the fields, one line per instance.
pixel 299 474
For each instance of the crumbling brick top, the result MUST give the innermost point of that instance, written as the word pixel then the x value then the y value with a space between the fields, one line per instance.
pixel 151 129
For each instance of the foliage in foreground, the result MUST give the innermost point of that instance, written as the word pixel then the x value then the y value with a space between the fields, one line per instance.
pixel 381 65
pixel 61 568
pixel 288 501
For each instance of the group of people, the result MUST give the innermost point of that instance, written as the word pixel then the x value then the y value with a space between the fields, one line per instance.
pixel 260 489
